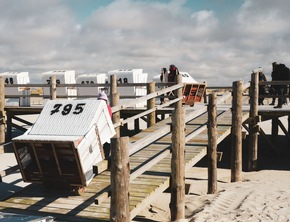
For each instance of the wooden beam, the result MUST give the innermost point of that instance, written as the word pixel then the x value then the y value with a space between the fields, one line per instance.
pixel 283 129
pixel 212 145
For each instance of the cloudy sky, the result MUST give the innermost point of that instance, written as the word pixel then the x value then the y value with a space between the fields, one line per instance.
pixel 217 41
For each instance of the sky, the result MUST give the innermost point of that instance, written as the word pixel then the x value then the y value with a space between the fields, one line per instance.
pixel 215 41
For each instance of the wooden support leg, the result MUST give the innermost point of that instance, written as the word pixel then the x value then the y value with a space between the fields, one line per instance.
pixel 275 129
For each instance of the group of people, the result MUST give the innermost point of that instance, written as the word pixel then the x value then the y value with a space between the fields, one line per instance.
pixel 280 72
pixel 168 76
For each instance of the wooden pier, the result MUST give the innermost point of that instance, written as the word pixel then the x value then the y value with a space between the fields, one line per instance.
pixel 150 158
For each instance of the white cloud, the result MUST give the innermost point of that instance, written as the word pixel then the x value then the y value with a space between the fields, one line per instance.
pixel 38 36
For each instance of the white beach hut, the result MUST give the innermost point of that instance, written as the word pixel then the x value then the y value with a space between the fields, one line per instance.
pixel 65 142
pixel 93 78
pixel 62 77
pixel 131 76
pixel 11 78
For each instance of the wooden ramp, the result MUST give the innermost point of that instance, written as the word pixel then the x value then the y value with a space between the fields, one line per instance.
pixel 150 173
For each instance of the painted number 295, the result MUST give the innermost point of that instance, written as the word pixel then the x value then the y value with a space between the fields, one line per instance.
pixel 66 109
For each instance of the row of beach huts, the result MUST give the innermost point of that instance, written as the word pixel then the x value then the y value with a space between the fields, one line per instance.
pixel 70 77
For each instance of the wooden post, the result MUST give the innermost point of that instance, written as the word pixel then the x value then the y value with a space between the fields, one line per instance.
pixel 236 134
pixel 116 116
pixel 151 104
pixel 289 124
pixel 253 127
pixel 53 87
pixel 275 129
pixel 178 92
pixel 114 101
pixel 212 144
pixel 205 94
pixel 177 203
pixel 113 85
pixel 9 126
pixel 2 112
pixel 120 177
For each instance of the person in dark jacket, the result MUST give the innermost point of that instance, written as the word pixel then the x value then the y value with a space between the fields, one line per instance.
pixel 281 73
pixel 274 88
pixel 262 88
pixel 172 75
pixel 163 79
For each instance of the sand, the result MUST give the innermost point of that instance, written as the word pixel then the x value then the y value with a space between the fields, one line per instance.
pixel 262 195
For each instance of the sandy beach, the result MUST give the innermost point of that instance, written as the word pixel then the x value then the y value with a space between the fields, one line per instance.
pixel 262 195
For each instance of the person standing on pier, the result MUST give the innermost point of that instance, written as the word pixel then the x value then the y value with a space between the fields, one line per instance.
pixel 281 73
pixel 163 79
pixel 172 76
pixel 262 88
pixel 274 88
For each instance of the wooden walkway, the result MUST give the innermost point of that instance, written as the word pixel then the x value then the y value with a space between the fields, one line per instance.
pixel 150 173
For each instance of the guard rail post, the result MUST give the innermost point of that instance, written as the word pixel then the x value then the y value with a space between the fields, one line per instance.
pixel 212 144
pixel 177 202
pixel 253 127
pixel 2 112
pixel 150 105
pixel 236 134
pixel 120 177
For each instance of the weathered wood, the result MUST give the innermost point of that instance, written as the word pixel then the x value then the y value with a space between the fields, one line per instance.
pixel 113 85
pixel 212 145
pixel 283 129
pixel 116 115
pixel 101 167
pixel 150 105
pixel 275 129
pixel 134 147
pixel 2 113
pixel 177 202
pixel 53 87
pixel 253 135
pixel 288 123
pixel 6 148
pixel 120 177
pixel 236 136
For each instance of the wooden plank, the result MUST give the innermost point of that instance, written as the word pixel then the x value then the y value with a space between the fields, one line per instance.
pixel 149 199
pixel 101 167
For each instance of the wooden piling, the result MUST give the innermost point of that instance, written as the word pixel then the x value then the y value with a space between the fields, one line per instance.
pixel 253 127
pixel 178 92
pixel 120 177
pixel 113 85
pixel 2 112
pixel 205 94
pixel 288 124
pixel 151 104
pixel 53 87
pixel 275 129
pixel 212 144
pixel 114 101
pixel 236 134
pixel 177 203
pixel 116 116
